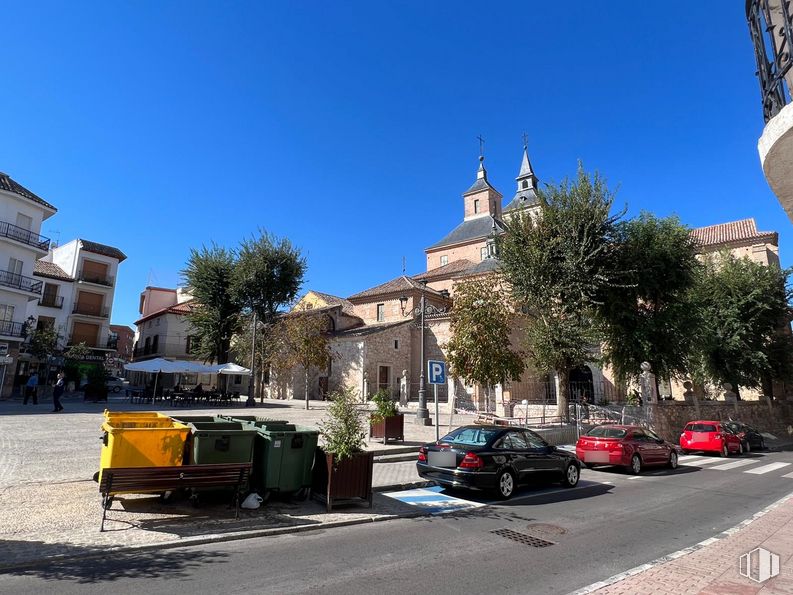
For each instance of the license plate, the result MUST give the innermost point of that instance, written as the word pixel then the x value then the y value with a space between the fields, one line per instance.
pixel 444 458
pixel 596 457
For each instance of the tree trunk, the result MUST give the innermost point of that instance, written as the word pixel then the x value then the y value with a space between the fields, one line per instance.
pixel 563 398
pixel 306 380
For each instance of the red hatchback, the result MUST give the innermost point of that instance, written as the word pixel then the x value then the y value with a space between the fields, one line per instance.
pixel 632 447
pixel 710 436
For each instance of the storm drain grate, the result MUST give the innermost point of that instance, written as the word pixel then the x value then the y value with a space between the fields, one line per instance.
pixel 522 538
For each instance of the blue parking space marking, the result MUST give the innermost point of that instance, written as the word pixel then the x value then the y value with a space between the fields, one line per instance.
pixel 432 501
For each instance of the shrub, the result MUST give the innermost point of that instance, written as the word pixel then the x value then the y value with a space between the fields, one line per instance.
pixel 384 406
pixel 343 428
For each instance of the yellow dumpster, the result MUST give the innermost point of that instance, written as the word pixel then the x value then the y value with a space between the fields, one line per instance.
pixel 142 442
pixel 131 415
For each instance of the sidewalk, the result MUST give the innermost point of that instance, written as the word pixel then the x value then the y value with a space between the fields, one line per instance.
pixel 51 507
pixel 712 567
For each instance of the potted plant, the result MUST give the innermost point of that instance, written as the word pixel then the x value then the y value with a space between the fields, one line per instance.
pixel 342 469
pixel 386 422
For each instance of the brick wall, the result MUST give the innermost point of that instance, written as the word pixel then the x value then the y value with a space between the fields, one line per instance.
pixel 470 251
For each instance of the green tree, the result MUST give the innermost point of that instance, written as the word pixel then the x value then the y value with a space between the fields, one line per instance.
pixel 42 342
pixel 744 337
pixel 302 339
pixel 480 350
pixel 650 316
pixel 215 315
pixel 559 264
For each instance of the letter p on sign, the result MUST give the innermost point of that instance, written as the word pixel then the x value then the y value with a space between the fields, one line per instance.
pixel 436 372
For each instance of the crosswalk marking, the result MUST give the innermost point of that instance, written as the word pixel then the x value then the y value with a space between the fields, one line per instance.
pixel 432 501
pixel 734 464
pixel 767 468
pixel 695 460
pixel 789 476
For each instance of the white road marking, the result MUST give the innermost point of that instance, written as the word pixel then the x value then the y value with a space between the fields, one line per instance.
pixel 734 464
pixel 789 476
pixel 767 468
pixel 694 460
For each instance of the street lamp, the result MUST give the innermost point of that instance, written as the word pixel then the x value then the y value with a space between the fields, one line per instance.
pixel 422 413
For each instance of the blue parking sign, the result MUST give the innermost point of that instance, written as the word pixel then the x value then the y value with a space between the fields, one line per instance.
pixel 436 371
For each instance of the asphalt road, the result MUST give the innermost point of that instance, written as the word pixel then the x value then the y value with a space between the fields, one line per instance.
pixel 610 523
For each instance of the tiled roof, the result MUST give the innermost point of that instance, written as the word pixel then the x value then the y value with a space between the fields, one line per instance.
pixel 181 309
pixel 50 270
pixel 103 249
pixel 333 300
pixel 473 229
pixel 734 231
pixel 369 329
pixel 9 185
pixel 397 285
pixel 452 268
pixel 488 265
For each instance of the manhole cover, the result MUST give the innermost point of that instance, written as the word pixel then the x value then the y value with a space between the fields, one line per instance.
pixel 522 538
pixel 545 529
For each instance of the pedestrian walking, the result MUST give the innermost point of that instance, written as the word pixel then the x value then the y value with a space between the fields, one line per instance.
pixel 57 392
pixel 32 389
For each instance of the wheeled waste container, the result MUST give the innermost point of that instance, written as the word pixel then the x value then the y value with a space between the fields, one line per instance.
pixel 142 442
pixel 220 441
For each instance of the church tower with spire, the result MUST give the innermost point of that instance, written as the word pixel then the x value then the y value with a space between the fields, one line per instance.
pixel 526 193
pixel 481 199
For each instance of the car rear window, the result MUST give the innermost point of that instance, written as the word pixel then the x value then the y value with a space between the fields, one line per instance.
pixel 606 432
pixel 470 436
pixel 700 428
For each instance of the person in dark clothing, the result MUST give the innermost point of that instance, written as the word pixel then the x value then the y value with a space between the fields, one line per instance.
pixel 57 393
pixel 31 389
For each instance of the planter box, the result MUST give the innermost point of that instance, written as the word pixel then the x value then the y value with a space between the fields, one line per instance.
pixel 391 428
pixel 348 480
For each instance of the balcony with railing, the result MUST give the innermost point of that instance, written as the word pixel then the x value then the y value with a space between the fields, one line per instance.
pixel 13 329
pixel 51 301
pixel 95 278
pixel 9 279
pixel 771 30
pixel 90 310
pixel 25 236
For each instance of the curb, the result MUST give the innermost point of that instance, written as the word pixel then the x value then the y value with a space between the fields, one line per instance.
pixel 680 553
pixel 222 537
pixel 402 486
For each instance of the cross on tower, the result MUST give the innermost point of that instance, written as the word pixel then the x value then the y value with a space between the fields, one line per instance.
pixel 525 140
pixel 481 146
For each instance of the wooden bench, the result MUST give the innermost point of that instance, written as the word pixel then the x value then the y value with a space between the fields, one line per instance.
pixel 148 480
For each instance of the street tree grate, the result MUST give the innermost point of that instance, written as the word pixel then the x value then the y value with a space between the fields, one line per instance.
pixel 522 538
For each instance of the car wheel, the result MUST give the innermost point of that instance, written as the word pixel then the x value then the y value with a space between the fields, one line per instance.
pixel 748 447
pixel 673 460
pixel 762 445
pixel 571 475
pixel 725 451
pixel 636 465
pixel 506 485
pixel 740 448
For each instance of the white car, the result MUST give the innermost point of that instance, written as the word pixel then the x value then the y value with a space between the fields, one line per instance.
pixel 116 384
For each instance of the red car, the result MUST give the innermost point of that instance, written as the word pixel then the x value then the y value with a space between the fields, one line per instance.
pixel 632 447
pixel 710 436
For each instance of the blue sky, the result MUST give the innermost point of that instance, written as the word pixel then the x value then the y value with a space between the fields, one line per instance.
pixel 350 127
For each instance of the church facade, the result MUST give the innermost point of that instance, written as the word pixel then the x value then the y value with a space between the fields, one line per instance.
pixel 376 336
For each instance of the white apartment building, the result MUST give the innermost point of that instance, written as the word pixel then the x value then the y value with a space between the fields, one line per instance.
pixel 78 281
pixel 21 216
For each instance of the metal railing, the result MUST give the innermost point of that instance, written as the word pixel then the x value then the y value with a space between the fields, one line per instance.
pixel 20 234
pixel 771 30
pixel 12 329
pixel 90 310
pixel 16 281
pixel 97 278
pixel 51 301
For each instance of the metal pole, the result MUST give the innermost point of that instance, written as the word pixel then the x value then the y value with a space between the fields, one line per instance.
pixel 437 417
pixel 422 414
pixel 252 378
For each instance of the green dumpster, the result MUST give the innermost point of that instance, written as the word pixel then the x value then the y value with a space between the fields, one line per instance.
pixel 259 421
pixel 221 441
pixel 191 419
pixel 282 458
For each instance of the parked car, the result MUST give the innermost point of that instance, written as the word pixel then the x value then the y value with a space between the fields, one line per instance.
pixel 116 384
pixel 709 436
pixel 632 447
pixel 495 458
pixel 751 438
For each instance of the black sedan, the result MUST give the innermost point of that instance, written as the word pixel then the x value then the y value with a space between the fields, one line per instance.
pixel 495 458
pixel 751 439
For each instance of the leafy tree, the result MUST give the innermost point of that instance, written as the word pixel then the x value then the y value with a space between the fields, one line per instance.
pixel 650 316
pixel 480 350
pixel 42 342
pixel 744 336
pixel 215 315
pixel 559 265
pixel 77 352
pixel 302 339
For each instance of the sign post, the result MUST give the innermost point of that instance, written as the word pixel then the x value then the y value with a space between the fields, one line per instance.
pixel 436 373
